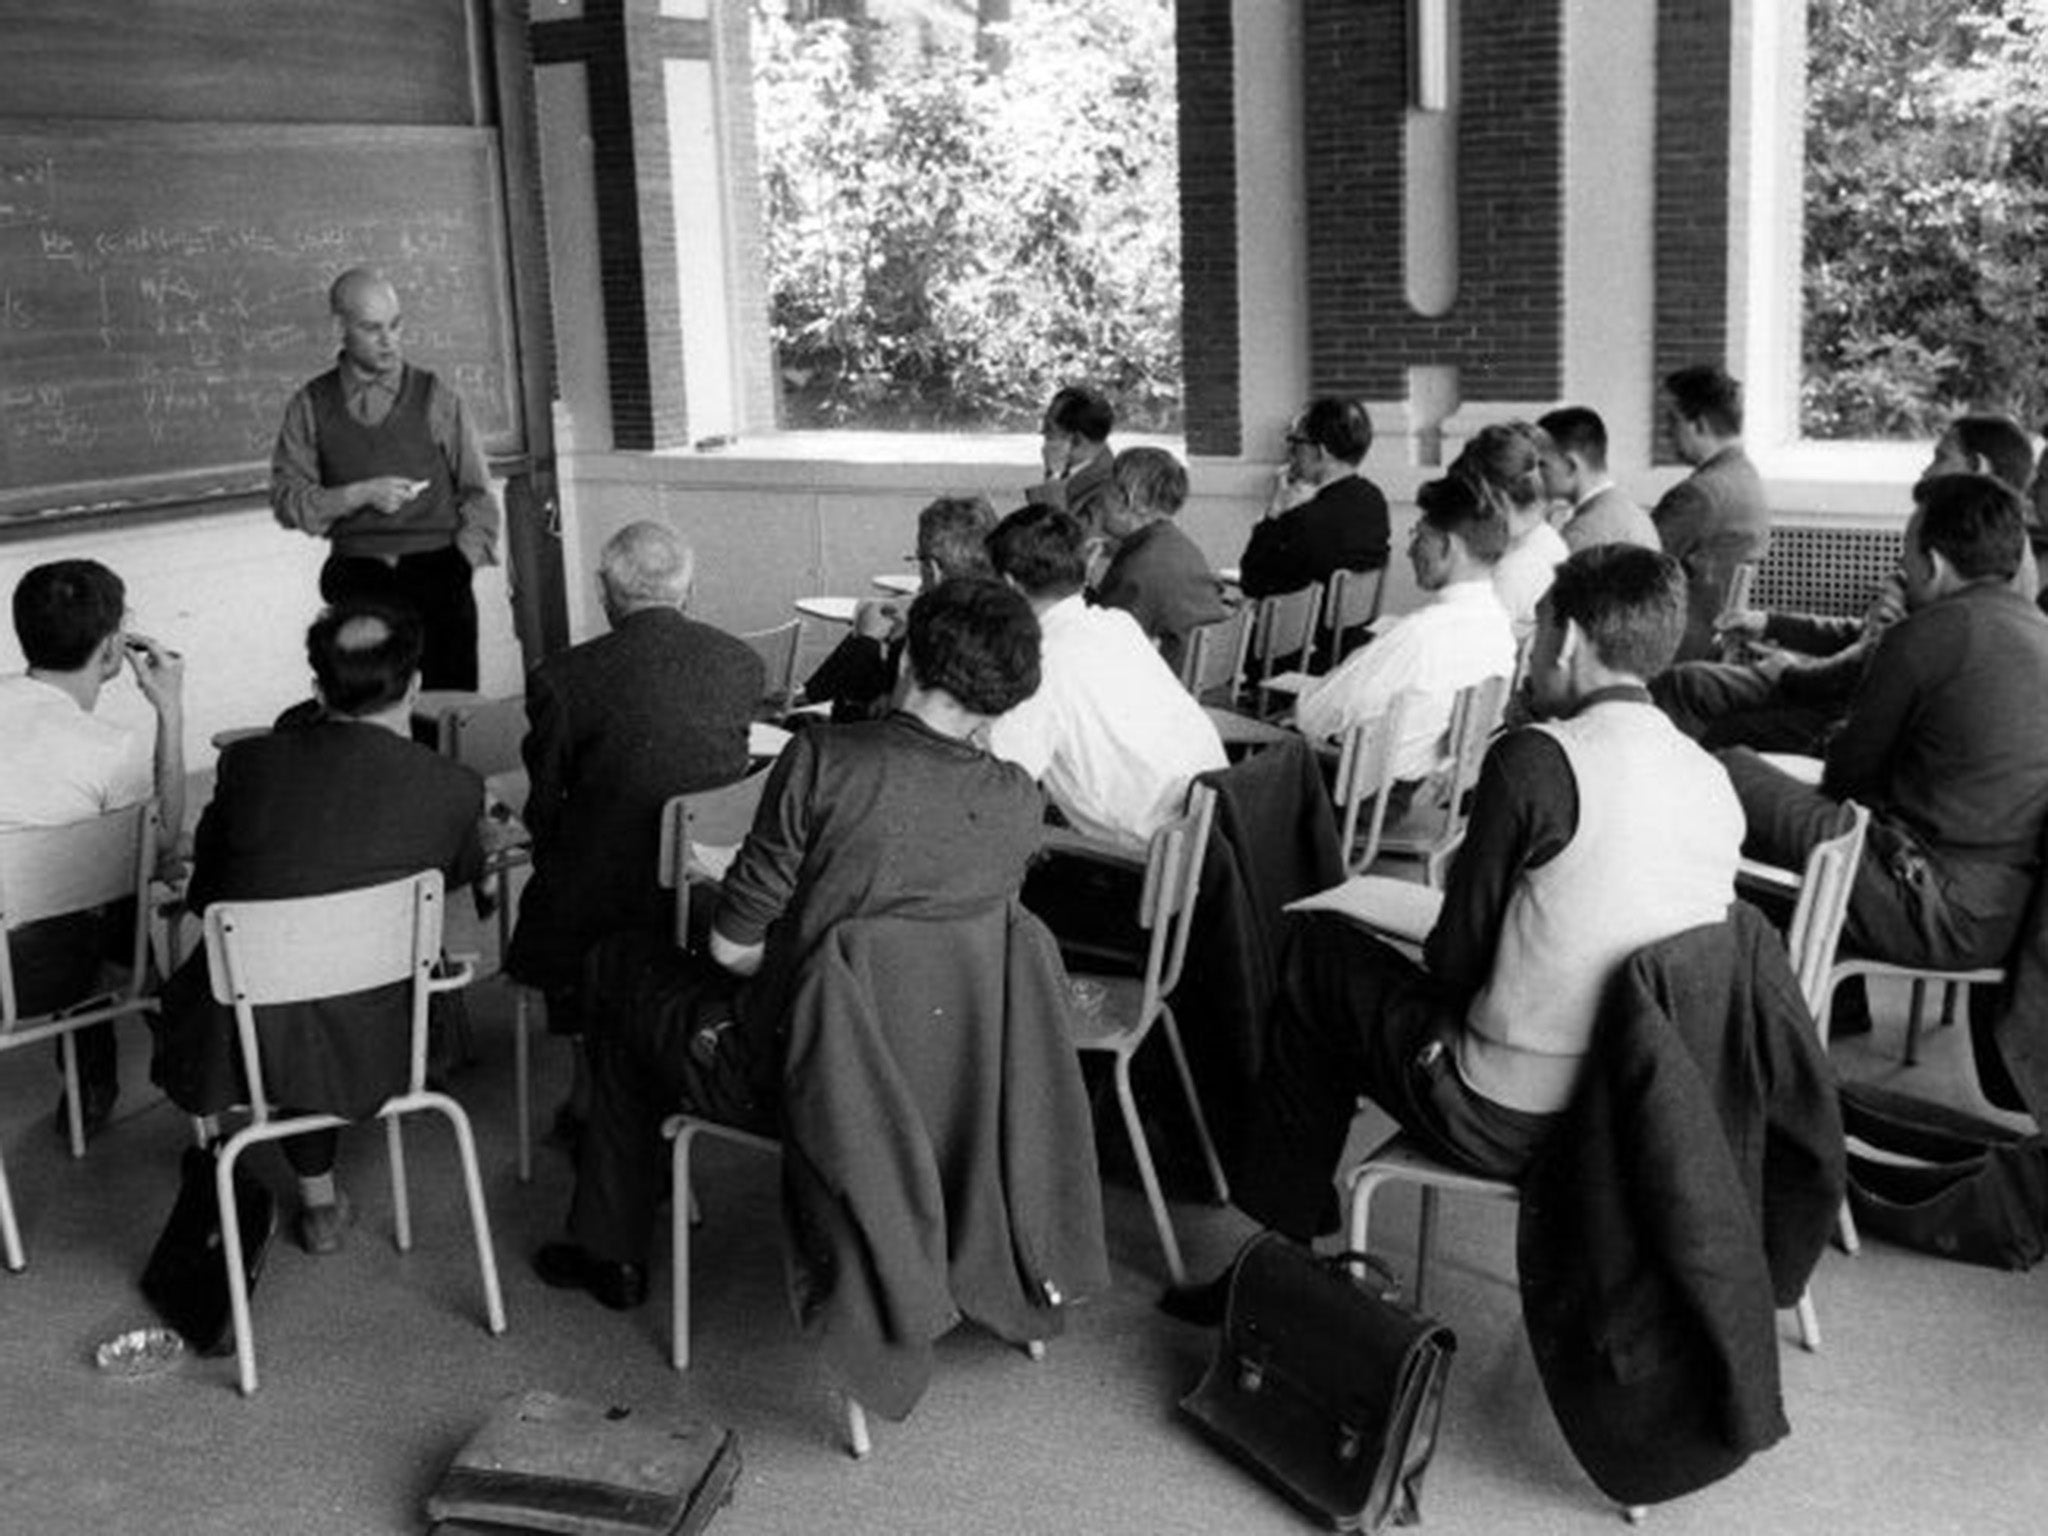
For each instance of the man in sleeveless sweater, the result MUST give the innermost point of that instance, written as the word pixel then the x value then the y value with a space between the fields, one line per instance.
pixel 383 460
pixel 1595 832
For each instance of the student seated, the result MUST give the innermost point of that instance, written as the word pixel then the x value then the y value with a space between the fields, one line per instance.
pixel 1506 462
pixel 1458 637
pixel 904 816
pixel 1155 572
pixel 1593 833
pixel 1110 733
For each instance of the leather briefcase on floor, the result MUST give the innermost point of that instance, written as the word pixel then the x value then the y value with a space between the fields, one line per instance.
pixel 1326 1385
pixel 548 1463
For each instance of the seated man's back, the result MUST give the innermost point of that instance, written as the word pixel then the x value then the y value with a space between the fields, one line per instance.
pixel 1111 733
pixel 1458 637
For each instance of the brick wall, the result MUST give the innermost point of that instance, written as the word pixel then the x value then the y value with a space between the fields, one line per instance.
pixel 1695 58
pixel 1208 227
pixel 1504 331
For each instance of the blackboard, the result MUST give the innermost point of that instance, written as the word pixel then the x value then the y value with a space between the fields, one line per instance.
pixel 163 292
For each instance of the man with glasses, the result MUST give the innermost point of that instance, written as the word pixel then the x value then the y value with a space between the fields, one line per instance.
pixel 1324 515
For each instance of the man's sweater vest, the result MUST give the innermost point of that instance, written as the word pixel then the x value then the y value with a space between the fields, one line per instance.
pixel 400 444
pixel 1659 834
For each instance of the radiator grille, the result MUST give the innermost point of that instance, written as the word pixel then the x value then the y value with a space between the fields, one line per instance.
pixel 1824 570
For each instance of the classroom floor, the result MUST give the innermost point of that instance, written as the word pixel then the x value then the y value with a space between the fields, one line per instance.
pixel 1922 1413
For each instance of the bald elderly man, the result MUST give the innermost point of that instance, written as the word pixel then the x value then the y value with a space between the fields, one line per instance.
pixel 382 459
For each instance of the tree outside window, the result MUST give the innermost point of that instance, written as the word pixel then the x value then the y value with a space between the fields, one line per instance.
pixel 1926 215
pixel 968 205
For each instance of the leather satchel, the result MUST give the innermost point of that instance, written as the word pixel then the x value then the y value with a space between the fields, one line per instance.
pixel 186 1279
pixel 1325 1384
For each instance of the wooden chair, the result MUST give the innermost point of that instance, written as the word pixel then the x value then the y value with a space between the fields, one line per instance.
pixel 777 649
pixel 1352 600
pixel 1365 781
pixel 1813 933
pixel 1283 629
pixel 1741 582
pixel 260 953
pixel 1131 1007
pixel 1213 668
pixel 909 960
pixel 50 872
pixel 1433 826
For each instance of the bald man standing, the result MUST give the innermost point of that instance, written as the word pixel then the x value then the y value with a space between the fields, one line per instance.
pixel 382 459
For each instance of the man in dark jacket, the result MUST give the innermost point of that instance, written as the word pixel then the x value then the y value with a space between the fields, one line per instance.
pixel 658 707
pixel 1156 574
pixel 1324 515
pixel 343 801
pixel 903 817
pixel 1715 519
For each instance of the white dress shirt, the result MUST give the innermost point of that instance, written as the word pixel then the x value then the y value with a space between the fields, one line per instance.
pixel 1524 573
pixel 1111 734
pixel 1458 637
pixel 59 764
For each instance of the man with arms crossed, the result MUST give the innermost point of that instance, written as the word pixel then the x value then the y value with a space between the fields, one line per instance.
pixel 1594 833
pixel 383 460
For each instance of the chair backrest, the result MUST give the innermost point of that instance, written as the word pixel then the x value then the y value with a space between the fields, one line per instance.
pixel 1284 625
pixel 777 649
pixel 1166 902
pixel 1824 888
pixel 699 834
pixel 304 948
pixel 1475 715
pixel 1741 581
pixel 1214 663
pixel 484 735
pixel 1365 775
pixel 52 871
pixel 1353 599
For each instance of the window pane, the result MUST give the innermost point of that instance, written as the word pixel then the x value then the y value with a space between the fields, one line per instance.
pixel 968 205
pixel 1926 207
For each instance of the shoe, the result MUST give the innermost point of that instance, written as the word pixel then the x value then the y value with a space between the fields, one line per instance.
pixel 321 1226
pixel 569 1267
pixel 1202 1305
pixel 95 1108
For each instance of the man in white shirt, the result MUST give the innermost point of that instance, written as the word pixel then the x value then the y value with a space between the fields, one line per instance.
pixel 60 763
pixel 1111 735
pixel 1459 637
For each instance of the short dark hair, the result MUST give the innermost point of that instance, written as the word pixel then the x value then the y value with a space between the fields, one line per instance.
pixel 64 610
pixel 1082 411
pixel 1508 457
pixel 978 640
pixel 364 655
pixel 1042 549
pixel 952 533
pixel 1705 392
pixel 1577 429
pixel 2000 442
pixel 1453 505
pixel 1152 480
pixel 1338 425
pixel 1975 522
pixel 1628 601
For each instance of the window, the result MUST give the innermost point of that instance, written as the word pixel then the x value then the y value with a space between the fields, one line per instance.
pixel 1925 206
pixel 966 204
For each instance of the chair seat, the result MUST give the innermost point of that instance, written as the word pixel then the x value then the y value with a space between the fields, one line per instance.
pixel 1112 1024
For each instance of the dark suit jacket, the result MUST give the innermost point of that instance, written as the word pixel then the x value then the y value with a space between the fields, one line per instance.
pixel 1692 1184
pixel 938 1161
pixel 1082 493
pixel 329 806
pixel 658 707
pixel 1712 521
pixel 1163 581
pixel 1343 527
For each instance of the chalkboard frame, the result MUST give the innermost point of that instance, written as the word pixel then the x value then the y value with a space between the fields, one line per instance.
pixel 461 161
